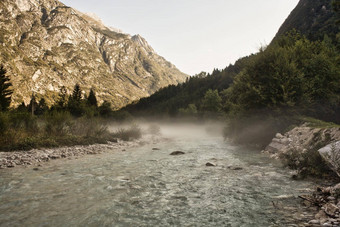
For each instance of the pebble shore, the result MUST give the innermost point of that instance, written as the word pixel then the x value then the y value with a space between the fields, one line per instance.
pixel 39 156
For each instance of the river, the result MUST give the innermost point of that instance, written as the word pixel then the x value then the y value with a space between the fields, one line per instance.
pixel 145 187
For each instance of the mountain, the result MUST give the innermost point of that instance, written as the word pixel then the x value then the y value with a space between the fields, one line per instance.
pixel 45 45
pixel 313 18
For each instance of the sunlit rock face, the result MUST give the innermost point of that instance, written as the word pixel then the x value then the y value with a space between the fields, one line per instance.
pixel 45 45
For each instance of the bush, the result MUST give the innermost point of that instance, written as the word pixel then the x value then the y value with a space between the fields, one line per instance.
pixel 24 121
pixel 308 163
pixel 134 132
pixel 88 127
pixel 57 123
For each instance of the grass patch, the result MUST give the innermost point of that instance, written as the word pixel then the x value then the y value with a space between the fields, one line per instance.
pixel 315 123
pixel 22 131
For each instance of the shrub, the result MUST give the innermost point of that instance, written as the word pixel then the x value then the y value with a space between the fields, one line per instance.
pixel 308 163
pixel 134 132
pixel 57 123
pixel 88 127
pixel 24 121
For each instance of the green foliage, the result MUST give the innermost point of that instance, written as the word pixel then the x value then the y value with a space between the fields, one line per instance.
pixel 293 74
pixel 173 99
pixel 212 101
pixel 5 91
pixel 190 111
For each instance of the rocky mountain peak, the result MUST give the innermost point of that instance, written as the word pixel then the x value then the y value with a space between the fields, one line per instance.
pixel 45 45
pixel 142 42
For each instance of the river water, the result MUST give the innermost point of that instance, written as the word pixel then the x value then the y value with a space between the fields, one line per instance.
pixel 146 187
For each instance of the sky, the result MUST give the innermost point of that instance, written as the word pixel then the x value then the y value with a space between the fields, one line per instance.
pixel 195 35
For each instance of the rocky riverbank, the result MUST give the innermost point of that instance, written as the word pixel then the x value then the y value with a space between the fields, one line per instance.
pixel 327 199
pixel 302 148
pixel 37 157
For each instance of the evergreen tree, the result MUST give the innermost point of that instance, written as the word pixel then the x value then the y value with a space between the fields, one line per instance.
pixel 62 99
pixel 76 104
pixel 92 100
pixel 5 91
pixel 76 94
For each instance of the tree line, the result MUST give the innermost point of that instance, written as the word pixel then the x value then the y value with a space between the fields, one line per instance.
pixel 77 103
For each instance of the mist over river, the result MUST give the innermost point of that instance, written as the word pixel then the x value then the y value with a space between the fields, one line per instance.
pixel 144 186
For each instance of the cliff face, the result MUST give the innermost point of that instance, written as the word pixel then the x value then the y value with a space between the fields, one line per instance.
pixel 45 45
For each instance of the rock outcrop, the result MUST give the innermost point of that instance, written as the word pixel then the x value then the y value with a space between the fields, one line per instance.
pixel 45 45
pixel 331 154
pixel 301 139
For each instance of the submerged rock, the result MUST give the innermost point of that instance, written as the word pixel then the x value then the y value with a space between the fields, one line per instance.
pixel 210 164
pixel 235 168
pixel 177 153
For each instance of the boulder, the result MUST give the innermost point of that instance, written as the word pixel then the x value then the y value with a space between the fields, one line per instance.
pixel 177 153
pixel 331 154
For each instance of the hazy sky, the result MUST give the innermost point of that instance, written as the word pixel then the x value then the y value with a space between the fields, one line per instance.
pixel 195 35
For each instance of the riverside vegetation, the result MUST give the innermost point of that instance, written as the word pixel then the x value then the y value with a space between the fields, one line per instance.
pixel 72 120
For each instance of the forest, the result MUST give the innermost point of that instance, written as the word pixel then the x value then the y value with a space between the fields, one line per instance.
pixel 285 82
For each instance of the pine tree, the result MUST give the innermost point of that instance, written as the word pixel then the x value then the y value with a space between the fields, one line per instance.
pixel 62 99
pixel 76 94
pixel 92 100
pixel 5 91
pixel 76 104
